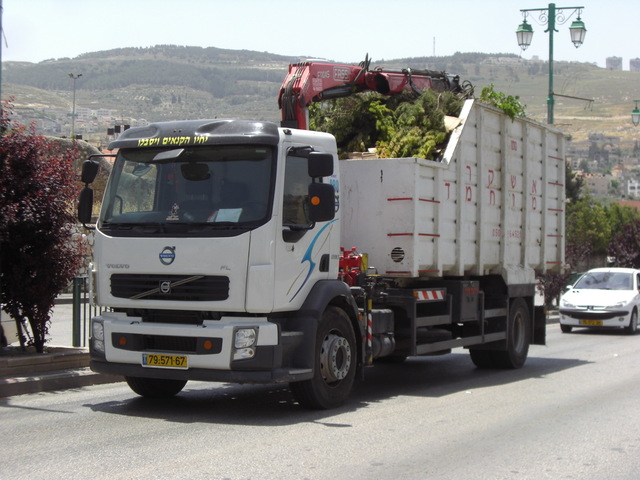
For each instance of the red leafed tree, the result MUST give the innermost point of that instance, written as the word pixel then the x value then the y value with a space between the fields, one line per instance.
pixel 38 257
pixel 625 245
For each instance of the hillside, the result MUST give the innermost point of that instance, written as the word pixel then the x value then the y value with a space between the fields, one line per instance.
pixel 166 82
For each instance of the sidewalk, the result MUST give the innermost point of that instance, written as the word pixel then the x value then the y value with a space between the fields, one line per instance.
pixel 63 367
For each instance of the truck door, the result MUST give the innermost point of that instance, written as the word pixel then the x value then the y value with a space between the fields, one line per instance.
pixel 303 249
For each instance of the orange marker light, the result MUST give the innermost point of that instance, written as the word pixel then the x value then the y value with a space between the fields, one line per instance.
pixel 122 341
pixel 315 200
pixel 208 344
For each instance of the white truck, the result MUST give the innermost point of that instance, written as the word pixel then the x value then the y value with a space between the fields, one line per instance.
pixel 230 250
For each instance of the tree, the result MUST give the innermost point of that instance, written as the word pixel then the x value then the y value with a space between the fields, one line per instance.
pixel 625 245
pixel 588 225
pixel 38 257
pixel 574 184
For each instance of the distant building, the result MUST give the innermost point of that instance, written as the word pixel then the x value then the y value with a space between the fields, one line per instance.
pixel 597 184
pixel 633 187
pixel 614 63
pixel 634 65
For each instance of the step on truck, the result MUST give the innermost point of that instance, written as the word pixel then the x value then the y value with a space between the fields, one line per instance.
pixel 245 251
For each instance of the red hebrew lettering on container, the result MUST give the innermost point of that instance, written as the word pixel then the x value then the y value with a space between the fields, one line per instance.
pixel 491 177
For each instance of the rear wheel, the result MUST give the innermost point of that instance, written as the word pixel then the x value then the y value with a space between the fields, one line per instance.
pixel 335 363
pixel 566 328
pixel 633 324
pixel 518 339
pixel 155 387
pixel 482 358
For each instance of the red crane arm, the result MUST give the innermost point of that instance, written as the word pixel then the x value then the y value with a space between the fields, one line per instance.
pixel 309 82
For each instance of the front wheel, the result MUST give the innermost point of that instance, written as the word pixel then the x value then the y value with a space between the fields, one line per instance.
pixel 155 387
pixel 334 366
pixel 566 328
pixel 633 324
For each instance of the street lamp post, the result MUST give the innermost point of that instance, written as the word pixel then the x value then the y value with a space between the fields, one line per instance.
pixel 635 114
pixel 551 16
pixel 73 112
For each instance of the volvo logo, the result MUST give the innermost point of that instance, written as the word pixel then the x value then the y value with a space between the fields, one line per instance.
pixel 167 255
pixel 165 287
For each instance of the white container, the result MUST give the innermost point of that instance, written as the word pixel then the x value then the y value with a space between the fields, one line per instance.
pixel 494 204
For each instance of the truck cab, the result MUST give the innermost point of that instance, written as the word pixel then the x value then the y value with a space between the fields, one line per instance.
pixel 211 236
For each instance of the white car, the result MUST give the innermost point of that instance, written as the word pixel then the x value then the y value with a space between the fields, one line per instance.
pixel 602 298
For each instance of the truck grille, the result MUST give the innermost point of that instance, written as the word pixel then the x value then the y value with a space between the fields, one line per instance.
pixel 170 287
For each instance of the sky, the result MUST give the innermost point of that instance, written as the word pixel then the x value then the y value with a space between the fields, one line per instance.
pixel 343 31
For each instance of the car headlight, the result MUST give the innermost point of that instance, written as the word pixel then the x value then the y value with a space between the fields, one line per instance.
pixel 617 305
pixel 565 304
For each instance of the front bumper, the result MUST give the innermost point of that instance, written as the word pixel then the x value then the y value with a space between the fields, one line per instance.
pixel 119 342
pixel 594 318
pixel 279 375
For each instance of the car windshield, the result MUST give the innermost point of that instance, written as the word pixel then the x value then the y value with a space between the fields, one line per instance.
pixel 212 187
pixel 605 281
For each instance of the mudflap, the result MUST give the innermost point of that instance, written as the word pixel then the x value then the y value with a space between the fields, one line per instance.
pixel 539 326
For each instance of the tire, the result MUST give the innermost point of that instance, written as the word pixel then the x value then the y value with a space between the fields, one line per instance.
pixel 482 358
pixel 566 328
pixel 518 340
pixel 518 337
pixel 335 362
pixel 633 324
pixel 155 387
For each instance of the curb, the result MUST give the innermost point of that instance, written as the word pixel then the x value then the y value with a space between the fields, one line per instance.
pixel 60 369
pixel 51 381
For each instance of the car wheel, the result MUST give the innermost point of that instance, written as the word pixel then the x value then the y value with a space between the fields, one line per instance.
pixel 566 328
pixel 633 324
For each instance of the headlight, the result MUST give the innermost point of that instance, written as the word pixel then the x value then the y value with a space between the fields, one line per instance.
pixel 244 343
pixel 245 337
pixel 617 305
pixel 97 335
pixel 565 304
pixel 97 329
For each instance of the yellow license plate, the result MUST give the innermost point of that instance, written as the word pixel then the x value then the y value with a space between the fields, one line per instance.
pixel 165 361
pixel 591 323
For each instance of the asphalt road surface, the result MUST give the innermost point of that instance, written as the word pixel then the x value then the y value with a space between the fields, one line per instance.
pixel 570 413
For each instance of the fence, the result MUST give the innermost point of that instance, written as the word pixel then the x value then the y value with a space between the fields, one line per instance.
pixel 82 312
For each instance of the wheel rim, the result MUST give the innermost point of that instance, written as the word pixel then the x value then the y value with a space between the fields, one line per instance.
pixel 518 336
pixel 335 358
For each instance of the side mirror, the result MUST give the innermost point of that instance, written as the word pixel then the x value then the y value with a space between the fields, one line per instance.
pixel 89 171
pixel 321 202
pixel 320 164
pixel 85 206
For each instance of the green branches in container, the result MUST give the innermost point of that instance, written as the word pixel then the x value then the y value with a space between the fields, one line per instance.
pixel 404 125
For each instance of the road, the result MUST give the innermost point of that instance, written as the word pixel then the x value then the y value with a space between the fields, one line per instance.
pixel 572 413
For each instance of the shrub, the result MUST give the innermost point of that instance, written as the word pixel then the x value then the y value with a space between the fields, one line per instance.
pixel 38 257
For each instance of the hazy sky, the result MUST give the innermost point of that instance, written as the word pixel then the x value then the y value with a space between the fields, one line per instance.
pixel 339 30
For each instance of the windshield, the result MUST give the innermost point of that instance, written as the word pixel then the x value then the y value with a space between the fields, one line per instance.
pixel 181 189
pixel 605 281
